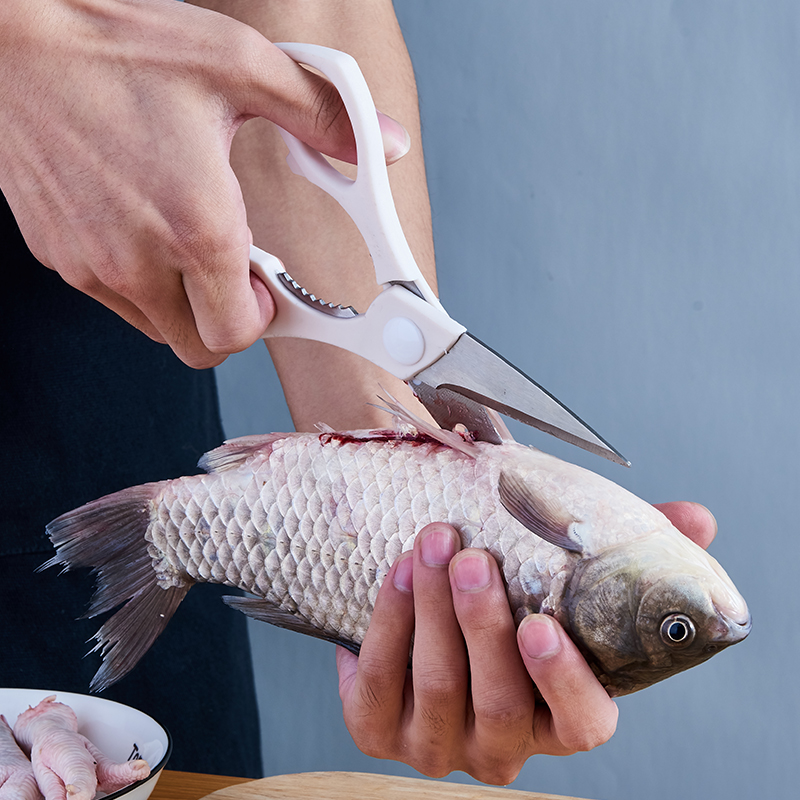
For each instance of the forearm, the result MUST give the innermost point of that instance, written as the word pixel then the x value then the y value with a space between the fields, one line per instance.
pixel 306 229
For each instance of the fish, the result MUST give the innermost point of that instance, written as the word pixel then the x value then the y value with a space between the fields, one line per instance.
pixel 309 524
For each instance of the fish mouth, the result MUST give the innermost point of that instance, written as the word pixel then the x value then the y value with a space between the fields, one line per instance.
pixel 731 628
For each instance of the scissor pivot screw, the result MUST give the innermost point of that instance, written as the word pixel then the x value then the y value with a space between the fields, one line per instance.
pixel 403 341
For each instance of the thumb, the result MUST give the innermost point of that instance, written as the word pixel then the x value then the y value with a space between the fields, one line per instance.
pixel 309 107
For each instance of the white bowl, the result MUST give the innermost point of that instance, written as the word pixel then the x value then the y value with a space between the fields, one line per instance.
pixel 117 730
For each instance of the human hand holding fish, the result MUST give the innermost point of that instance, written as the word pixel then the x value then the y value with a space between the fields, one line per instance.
pixel 468 701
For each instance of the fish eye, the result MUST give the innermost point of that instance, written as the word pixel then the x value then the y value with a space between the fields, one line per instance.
pixel 677 630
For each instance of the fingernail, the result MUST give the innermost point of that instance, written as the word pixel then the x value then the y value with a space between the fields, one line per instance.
pixel 403 573
pixel 396 140
pixel 538 637
pixel 438 546
pixel 471 572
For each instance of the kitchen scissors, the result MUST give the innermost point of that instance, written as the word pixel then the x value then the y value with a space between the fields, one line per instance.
pixel 405 330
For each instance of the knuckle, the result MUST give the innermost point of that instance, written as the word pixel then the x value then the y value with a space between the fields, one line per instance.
pixel 230 337
pixel 497 772
pixel 373 742
pixel 41 253
pixel 372 736
pixel 196 243
pixel 83 280
pixel 590 735
pixel 240 49
pixel 500 753
pixel 437 690
pixel 201 361
pixel 99 273
pixel 434 762
pixel 328 107
pixel 193 233
pixel 486 625
pixel 110 273
pixel 437 683
pixel 186 345
pixel 434 721
pixel 246 50
pixel 374 745
pixel 368 714
pixel 370 696
pixel 435 770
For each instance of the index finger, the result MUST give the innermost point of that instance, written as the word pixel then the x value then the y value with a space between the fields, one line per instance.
pixel 228 307
pixel 232 306
pixel 373 687
pixel 692 520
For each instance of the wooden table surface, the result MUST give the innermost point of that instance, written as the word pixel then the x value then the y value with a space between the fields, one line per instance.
pixel 328 786
pixel 174 785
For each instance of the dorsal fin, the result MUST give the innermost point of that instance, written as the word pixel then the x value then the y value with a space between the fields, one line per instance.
pixel 449 438
pixel 236 451
pixel 452 410
pixel 538 515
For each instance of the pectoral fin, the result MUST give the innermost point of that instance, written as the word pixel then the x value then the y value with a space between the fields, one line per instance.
pixel 264 611
pixel 537 514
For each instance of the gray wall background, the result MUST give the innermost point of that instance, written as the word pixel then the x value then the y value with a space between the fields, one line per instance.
pixel 616 198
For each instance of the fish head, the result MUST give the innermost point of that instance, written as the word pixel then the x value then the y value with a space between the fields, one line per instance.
pixel 648 609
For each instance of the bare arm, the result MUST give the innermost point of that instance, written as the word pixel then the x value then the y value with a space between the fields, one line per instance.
pixel 309 231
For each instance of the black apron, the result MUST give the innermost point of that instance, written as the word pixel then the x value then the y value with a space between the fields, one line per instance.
pixel 89 405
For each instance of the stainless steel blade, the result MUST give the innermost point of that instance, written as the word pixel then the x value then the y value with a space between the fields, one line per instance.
pixel 473 370
pixel 450 409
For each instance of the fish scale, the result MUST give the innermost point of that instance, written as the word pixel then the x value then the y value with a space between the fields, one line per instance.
pixel 329 557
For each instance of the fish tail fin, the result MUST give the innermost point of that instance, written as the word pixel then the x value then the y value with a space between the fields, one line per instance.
pixel 108 536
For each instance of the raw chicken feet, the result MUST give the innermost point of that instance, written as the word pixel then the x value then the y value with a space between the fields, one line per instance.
pixel 68 766
pixel 16 773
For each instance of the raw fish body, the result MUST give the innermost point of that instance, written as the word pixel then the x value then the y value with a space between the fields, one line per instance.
pixel 311 523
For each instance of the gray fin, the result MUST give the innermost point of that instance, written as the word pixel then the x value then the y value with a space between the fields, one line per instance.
pixel 108 536
pixel 236 451
pixel 264 611
pixel 129 634
pixel 537 515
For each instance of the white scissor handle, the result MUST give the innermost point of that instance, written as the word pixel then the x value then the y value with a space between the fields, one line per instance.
pixel 400 331
pixel 367 199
